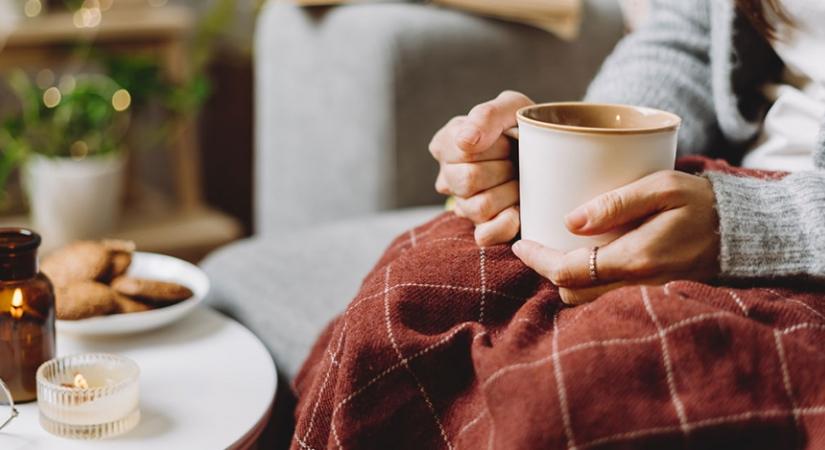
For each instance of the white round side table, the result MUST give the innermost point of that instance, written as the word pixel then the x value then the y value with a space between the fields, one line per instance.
pixel 206 382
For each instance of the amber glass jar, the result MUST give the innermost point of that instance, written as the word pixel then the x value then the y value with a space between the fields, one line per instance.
pixel 26 313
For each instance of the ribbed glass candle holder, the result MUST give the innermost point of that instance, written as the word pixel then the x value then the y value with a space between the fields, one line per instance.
pixel 109 406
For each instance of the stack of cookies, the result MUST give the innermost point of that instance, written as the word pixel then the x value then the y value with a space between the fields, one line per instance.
pixel 90 280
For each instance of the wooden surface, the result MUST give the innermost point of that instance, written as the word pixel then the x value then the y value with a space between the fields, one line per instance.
pixel 189 235
pixel 116 25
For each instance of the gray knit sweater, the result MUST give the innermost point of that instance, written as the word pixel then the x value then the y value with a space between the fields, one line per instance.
pixel 703 61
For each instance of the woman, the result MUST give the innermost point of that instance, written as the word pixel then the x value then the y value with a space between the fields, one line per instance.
pixel 748 79
pixel 449 345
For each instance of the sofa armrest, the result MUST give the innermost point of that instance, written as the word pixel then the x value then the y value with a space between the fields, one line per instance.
pixel 349 97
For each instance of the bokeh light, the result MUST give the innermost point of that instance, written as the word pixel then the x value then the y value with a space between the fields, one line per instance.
pixel 88 15
pixel 32 8
pixel 52 97
pixel 121 100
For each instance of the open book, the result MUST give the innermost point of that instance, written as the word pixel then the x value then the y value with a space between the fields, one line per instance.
pixel 560 17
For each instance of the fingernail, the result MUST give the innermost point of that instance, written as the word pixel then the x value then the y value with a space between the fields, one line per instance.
pixel 480 236
pixel 517 246
pixel 576 220
pixel 469 136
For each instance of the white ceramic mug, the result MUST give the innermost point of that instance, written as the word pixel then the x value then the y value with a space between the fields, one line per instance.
pixel 572 152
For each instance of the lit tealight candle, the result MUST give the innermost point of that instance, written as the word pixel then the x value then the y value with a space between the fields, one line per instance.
pixel 16 309
pixel 79 382
pixel 89 396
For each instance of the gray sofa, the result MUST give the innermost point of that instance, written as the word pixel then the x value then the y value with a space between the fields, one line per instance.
pixel 348 99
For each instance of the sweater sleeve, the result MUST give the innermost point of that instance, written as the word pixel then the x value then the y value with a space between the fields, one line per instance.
pixel 665 64
pixel 771 229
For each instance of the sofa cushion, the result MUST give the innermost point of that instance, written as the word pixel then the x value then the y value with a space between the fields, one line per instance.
pixel 286 288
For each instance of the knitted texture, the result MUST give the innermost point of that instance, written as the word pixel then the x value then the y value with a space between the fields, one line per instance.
pixel 665 65
pixel 819 157
pixel 702 61
pixel 771 228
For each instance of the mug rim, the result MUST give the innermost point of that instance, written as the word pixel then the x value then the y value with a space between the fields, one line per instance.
pixel 674 122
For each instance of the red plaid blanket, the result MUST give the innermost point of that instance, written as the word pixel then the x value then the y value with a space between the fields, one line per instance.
pixel 453 346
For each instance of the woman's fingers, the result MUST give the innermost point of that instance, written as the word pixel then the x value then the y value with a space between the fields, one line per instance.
pixel 581 296
pixel 574 265
pixel 441 185
pixel 499 150
pixel 484 206
pixel 627 204
pixel 502 228
pixel 572 269
pixel 543 260
pixel 553 265
pixel 444 149
pixel 468 179
pixel 487 121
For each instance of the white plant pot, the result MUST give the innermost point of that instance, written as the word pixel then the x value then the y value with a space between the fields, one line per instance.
pixel 71 199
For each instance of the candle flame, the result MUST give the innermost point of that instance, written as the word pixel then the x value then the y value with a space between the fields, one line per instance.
pixel 17 298
pixel 17 304
pixel 80 382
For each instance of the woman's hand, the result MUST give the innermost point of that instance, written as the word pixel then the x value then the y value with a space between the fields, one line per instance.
pixel 676 238
pixel 477 170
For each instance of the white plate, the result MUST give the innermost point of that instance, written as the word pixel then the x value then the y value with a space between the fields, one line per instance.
pixel 155 267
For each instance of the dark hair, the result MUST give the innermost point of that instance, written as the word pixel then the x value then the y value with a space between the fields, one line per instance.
pixel 756 11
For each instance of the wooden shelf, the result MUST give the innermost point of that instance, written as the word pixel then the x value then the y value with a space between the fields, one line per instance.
pixel 185 234
pixel 116 25
pixel 184 226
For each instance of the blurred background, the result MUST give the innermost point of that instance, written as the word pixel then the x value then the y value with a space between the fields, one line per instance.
pixel 185 125
pixel 129 119
pixel 295 131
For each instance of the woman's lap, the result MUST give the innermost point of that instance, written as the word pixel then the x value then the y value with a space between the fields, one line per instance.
pixel 451 345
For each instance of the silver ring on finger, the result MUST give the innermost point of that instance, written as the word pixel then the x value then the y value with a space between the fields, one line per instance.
pixel 593 266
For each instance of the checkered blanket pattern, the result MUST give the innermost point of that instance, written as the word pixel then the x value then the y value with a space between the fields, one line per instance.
pixel 452 346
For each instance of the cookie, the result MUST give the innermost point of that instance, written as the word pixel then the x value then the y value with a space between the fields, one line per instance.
pixel 121 257
pixel 84 299
pixel 119 245
pixel 126 305
pixel 80 261
pixel 151 290
pixel 119 264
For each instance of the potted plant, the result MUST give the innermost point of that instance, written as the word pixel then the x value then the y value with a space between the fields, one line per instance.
pixel 67 139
